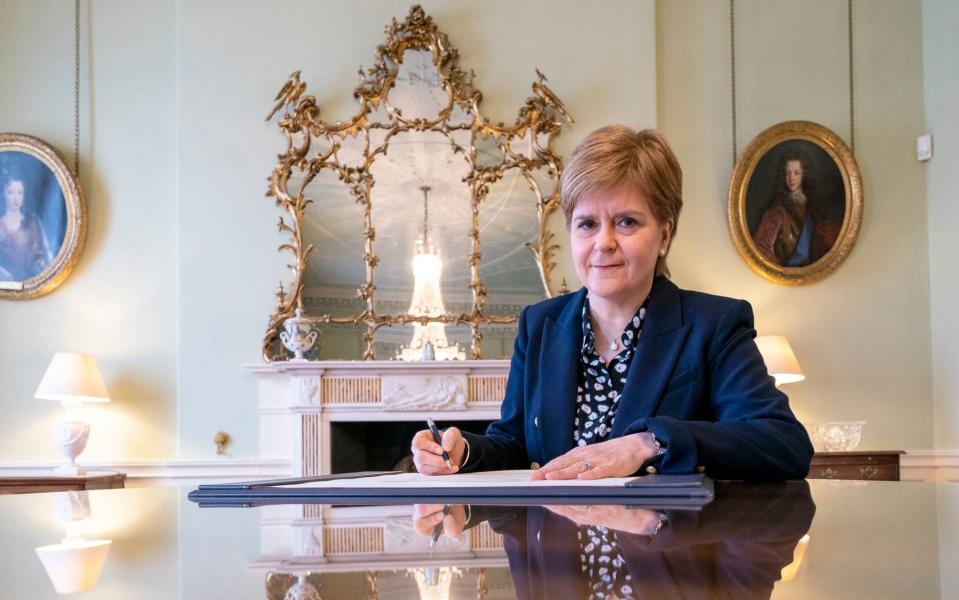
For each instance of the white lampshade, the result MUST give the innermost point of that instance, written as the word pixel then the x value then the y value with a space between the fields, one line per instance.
pixel 74 566
pixel 780 359
pixel 72 378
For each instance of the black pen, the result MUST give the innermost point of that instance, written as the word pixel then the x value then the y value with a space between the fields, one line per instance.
pixel 439 440
pixel 438 530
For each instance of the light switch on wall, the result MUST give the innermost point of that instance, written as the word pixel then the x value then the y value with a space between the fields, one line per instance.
pixel 924 147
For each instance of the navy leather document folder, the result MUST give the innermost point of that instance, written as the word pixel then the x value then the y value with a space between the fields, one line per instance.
pixel 491 487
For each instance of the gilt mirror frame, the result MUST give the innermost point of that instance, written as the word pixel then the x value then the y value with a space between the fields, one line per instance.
pixel 539 120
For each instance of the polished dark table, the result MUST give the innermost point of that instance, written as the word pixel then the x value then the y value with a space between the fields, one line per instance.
pixel 821 539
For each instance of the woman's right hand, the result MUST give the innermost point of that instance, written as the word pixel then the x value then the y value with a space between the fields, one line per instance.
pixel 428 455
pixel 427 516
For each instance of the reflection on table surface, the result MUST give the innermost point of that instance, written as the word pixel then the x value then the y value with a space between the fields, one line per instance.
pixel 791 540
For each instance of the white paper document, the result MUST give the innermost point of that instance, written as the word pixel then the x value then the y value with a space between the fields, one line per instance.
pixel 498 479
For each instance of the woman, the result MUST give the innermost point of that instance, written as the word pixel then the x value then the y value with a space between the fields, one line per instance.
pixel 23 246
pixel 631 374
pixel 792 232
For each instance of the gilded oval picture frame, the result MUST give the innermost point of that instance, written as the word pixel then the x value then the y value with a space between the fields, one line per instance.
pixel 43 217
pixel 795 203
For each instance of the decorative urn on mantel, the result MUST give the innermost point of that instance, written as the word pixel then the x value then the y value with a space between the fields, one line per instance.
pixel 298 335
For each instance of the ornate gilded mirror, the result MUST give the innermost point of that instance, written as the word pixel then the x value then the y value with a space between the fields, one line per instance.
pixel 418 218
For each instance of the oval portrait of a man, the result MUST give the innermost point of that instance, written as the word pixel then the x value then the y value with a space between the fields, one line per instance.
pixel 795 202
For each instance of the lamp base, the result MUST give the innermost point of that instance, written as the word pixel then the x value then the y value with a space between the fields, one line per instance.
pixel 71 470
pixel 71 439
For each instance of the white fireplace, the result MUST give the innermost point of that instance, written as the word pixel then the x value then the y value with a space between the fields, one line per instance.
pixel 299 401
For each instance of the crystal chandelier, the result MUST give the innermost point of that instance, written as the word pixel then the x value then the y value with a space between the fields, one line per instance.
pixel 429 341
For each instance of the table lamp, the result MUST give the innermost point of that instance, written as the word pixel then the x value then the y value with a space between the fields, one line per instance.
pixel 780 359
pixel 72 379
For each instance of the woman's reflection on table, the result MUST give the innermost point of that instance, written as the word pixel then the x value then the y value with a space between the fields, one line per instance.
pixel 734 547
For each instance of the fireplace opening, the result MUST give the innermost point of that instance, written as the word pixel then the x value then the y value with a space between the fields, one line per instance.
pixel 381 446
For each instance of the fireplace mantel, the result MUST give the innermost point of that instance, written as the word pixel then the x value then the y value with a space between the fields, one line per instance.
pixel 299 400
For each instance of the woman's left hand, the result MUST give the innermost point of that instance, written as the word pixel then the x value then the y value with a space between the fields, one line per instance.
pixel 620 457
pixel 639 521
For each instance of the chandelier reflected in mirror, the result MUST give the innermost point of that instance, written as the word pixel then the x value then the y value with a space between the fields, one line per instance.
pixel 429 339
pixel 419 121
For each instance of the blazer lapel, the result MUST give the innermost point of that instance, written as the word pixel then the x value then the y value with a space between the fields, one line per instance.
pixel 555 569
pixel 657 349
pixel 559 376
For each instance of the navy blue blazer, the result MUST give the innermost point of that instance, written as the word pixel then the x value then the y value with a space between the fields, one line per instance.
pixel 696 381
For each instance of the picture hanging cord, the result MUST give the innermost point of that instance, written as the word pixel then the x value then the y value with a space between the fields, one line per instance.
pixel 76 88
pixel 852 104
pixel 732 64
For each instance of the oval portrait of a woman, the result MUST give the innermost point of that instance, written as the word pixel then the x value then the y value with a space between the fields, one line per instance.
pixel 795 202
pixel 34 217
pixel 40 217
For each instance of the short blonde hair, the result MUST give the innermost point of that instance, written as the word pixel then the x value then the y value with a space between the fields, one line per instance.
pixel 615 156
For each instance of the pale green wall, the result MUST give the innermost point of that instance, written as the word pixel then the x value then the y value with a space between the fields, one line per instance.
pixel 862 334
pixel 120 302
pixel 174 290
pixel 940 22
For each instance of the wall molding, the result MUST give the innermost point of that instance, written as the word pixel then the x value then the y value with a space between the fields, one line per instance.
pixel 915 465
pixel 151 472
pixel 929 465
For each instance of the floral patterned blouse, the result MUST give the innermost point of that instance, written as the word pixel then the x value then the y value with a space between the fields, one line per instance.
pixel 600 385
pixel 597 397
pixel 603 564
